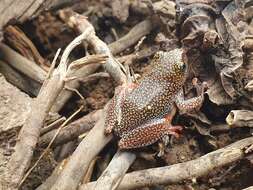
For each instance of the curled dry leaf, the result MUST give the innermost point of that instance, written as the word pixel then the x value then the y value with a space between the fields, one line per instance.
pixel 217 94
pixel 240 118
pixel 195 20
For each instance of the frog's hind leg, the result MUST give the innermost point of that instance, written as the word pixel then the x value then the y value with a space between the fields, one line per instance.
pixel 114 109
pixel 110 117
pixel 148 134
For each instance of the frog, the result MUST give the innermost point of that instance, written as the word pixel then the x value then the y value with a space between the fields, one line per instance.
pixel 141 113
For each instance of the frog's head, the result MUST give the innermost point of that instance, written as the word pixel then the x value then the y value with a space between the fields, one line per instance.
pixel 172 65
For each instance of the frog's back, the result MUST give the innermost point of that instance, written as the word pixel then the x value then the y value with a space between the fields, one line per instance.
pixel 154 94
pixel 152 99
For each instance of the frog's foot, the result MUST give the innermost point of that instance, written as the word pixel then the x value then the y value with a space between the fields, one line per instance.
pixel 166 139
pixel 174 131
pixel 193 103
pixel 163 144
pixel 148 134
pixel 162 148
pixel 201 88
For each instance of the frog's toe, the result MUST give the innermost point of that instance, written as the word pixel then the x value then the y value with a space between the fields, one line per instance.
pixel 108 130
pixel 165 140
pixel 174 131
pixel 162 148
pixel 122 145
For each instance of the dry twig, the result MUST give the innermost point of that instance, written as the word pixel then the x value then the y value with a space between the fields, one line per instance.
pixel 147 52
pixel 134 35
pixel 52 126
pixel 72 130
pixel 112 176
pixel 22 64
pixel 88 175
pixel 249 188
pixel 50 181
pixel 95 76
pixel 81 23
pixel 34 72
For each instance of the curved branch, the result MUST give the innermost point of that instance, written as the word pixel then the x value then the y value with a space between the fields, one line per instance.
pixel 183 171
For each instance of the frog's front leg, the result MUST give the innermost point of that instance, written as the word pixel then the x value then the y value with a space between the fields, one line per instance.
pixel 148 134
pixel 192 103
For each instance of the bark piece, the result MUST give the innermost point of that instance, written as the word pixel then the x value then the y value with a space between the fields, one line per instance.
pixel 26 9
pixel 17 39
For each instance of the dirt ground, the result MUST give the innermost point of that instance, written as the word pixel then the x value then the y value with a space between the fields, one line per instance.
pixel 204 131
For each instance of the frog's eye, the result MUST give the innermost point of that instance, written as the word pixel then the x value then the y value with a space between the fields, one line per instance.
pixel 158 55
pixel 183 66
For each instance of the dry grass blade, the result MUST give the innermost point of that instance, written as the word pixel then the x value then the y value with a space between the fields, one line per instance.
pixel 52 126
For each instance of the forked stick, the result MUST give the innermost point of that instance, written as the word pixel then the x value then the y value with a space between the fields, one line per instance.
pixel 29 134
